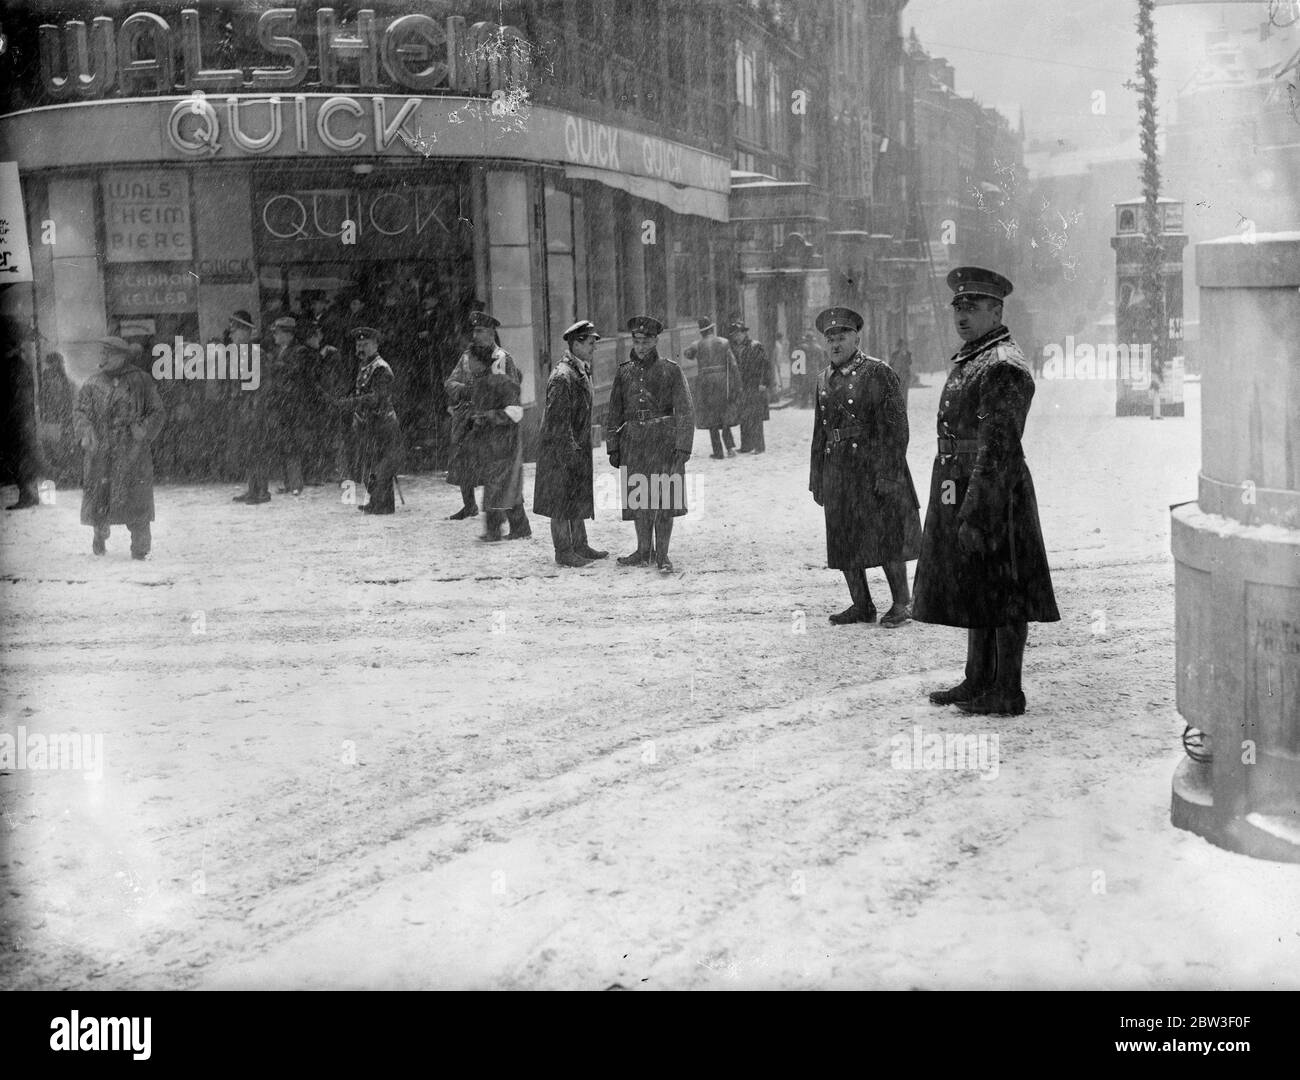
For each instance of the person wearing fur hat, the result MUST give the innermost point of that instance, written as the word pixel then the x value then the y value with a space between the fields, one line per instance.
pixel 118 415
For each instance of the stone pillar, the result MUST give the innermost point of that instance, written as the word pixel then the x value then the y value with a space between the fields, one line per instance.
pixel 1237 555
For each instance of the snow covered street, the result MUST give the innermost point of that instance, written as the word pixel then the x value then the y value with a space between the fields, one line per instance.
pixel 349 751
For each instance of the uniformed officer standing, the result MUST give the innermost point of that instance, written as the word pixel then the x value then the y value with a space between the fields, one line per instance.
pixel 651 432
pixel 755 382
pixel 859 470
pixel 563 490
pixel 717 386
pixel 294 402
pixel 484 389
pixel 983 564
pixel 118 415
pixel 379 433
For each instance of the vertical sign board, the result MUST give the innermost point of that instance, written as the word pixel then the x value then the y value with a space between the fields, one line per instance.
pixel 15 256
pixel 147 216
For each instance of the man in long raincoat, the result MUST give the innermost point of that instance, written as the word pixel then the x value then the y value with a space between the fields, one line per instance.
pixel 118 415
pixel 717 387
pixel 484 388
pixel 859 472
pixel 983 563
pixel 563 489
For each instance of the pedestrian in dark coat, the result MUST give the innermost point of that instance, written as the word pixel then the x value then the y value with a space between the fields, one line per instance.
pixel 485 390
pixel 756 380
pixel 651 422
pixel 297 399
pixel 563 489
pixel 118 415
pixel 901 361
pixel 983 563
pixel 249 417
pixel 20 442
pixel 331 379
pixel 717 387
pixel 58 442
pixel 859 471
pixel 380 448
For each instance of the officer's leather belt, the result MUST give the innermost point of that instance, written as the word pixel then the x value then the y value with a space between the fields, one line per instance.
pixel 950 446
pixel 853 431
pixel 647 414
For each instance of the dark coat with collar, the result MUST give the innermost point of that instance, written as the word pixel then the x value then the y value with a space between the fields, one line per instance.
pixel 651 418
pixel 488 444
pixel 563 485
pixel 118 476
pixel 987 484
pixel 717 382
pixel 861 478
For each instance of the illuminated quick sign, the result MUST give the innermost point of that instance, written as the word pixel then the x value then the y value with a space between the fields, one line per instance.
pixel 412 52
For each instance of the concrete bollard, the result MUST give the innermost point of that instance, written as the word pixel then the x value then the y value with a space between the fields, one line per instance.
pixel 1237 556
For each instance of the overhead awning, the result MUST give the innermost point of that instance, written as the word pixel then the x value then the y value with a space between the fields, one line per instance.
pixel 678 199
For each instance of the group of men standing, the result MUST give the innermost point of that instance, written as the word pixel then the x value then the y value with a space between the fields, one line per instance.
pixel 981 560
pixel 734 378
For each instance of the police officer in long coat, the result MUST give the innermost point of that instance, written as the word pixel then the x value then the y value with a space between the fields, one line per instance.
pixel 651 423
pixel 717 386
pixel 859 472
pixel 295 397
pixel 983 564
pixel 118 415
pixel 484 388
pixel 563 489
pixel 379 444
pixel 755 382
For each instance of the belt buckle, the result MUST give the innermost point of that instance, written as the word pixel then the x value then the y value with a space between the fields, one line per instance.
pixel 835 435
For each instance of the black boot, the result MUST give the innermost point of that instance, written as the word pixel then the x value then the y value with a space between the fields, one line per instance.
pixel 519 527
pixel 495 519
pixel 1005 697
pixel 580 545
pixel 663 528
pixel 469 508
pixel 862 609
pixel 981 667
pixel 562 538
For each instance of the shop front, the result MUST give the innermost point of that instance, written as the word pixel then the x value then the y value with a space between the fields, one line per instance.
pixel 158 219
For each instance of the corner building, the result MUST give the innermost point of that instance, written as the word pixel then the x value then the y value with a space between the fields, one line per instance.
pixel 552 160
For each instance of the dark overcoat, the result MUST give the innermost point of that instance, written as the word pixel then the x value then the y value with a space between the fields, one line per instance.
pixel 297 401
pixel 564 486
pixel 651 417
pixel 118 472
pixel 489 446
pixel 859 470
pixel 717 382
pixel 980 477
pixel 380 449
pixel 755 379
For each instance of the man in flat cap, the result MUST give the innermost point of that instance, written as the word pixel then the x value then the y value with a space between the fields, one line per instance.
pixel 484 391
pixel 983 564
pixel 563 490
pixel 717 387
pixel 379 445
pixel 651 423
pixel 118 415
pixel 859 472
pixel 755 382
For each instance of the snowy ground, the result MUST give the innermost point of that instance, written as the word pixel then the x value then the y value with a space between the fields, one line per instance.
pixel 349 751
